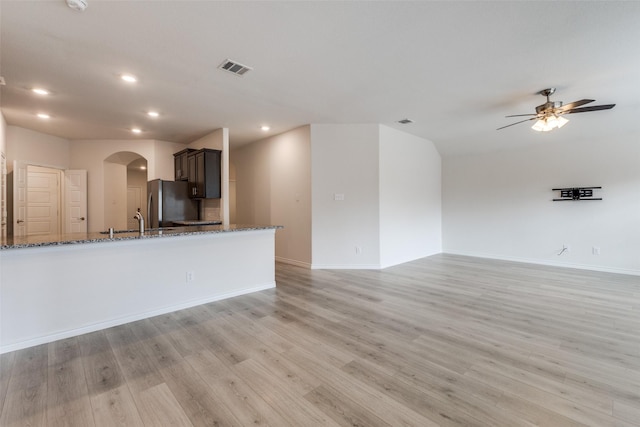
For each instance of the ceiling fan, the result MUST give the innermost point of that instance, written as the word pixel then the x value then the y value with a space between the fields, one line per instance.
pixel 549 115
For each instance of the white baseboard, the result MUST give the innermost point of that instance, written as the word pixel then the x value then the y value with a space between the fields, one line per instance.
pixel 603 269
pixel 345 267
pixel 122 320
pixel 470 254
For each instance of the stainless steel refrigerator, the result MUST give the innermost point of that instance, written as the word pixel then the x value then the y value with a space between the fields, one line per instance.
pixel 168 201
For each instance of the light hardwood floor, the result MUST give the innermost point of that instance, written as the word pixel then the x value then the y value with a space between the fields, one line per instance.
pixel 446 340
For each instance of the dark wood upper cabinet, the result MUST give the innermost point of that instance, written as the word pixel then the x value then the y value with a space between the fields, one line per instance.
pixel 204 173
pixel 180 164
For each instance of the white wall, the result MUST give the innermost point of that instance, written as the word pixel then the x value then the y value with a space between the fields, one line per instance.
pixel 253 183
pixel 115 196
pixel 345 161
pixel 273 186
pixel 90 155
pixel 161 165
pixel 499 205
pixel 291 194
pixel 232 193
pixel 213 140
pixel 391 183
pixel 36 148
pixel 410 197
pixel 3 135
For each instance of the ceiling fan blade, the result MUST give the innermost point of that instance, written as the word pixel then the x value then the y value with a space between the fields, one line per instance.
pixel 575 104
pixel 521 115
pixel 521 121
pixel 586 109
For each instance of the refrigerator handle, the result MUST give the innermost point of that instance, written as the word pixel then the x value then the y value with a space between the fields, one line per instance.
pixel 149 210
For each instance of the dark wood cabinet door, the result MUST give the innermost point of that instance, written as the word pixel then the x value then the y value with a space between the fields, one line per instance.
pixel 212 174
pixel 202 170
pixel 181 165
pixel 191 174
pixel 177 167
pixel 200 174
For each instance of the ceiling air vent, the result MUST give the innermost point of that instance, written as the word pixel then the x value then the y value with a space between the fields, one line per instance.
pixel 405 121
pixel 234 67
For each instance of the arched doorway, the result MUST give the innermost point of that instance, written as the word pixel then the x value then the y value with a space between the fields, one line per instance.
pixel 125 189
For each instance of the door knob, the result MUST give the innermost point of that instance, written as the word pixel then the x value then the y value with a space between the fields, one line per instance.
pixel 20 221
pixel 81 218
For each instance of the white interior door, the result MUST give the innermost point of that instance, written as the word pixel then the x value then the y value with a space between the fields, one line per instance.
pixel 19 199
pixel 134 202
pixel 43 201
pixel 75 196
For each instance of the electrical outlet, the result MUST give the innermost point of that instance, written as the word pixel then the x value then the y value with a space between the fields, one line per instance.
pixel 358 250
pixel 190 276
pixel 595 250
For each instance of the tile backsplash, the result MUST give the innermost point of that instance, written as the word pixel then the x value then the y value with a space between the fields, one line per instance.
pixel 210 209
pixel 212 213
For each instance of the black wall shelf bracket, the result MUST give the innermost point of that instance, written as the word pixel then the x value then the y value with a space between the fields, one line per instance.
pixel 576 193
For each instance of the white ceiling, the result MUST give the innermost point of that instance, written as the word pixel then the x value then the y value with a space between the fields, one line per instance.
pixel 455 68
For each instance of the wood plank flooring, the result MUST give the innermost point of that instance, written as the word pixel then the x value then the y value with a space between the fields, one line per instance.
pixel 442 341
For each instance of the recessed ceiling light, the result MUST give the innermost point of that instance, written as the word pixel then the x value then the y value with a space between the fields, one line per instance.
pixel 153 114
pixel 265 128
pixel 129 78
pixel 44 116
pixel 136 130
pixel 40 91
pixel 79 5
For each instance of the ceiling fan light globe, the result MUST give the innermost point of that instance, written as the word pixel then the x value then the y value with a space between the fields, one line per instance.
pixel 552 122
pixel 539 126
pixel 562 121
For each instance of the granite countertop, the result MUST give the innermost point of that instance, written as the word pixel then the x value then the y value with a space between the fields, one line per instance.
pixel 197 222
pixel 95 237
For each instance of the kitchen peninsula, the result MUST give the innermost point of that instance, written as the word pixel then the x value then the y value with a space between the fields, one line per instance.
pixel 53 288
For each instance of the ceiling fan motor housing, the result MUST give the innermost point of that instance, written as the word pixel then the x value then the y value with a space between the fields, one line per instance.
pixel 548 107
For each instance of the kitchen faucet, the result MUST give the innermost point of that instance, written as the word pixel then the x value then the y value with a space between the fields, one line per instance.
pixel 140 219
